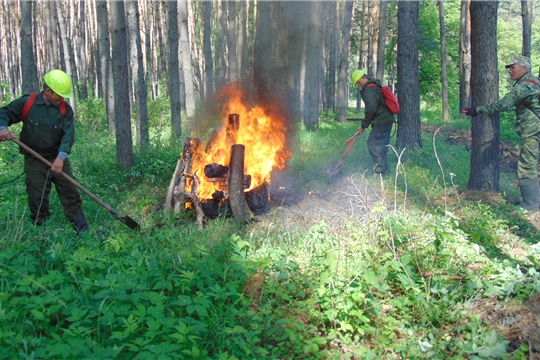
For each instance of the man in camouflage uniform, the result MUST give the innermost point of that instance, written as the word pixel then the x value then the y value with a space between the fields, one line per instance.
pixel 524 98
pixel 378 116
pixel 50 133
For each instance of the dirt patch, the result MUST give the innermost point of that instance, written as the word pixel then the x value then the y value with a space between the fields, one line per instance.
pixel 519 323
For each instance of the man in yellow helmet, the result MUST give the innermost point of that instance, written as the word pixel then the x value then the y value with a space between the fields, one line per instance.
pixel 378 116
pixel 48 128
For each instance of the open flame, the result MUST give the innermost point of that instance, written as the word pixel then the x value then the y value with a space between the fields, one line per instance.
pixel 262 129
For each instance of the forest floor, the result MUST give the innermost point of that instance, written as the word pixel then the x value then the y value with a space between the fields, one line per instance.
pixel 352 197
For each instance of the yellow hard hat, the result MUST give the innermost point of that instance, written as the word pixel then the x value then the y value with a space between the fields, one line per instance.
pixel 356 75
pixel 59 82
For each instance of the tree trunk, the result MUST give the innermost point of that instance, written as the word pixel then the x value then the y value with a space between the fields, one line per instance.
pixel 137 72
pixel 83 51
pixel 120 63
pixel 381 46
pixel 207 43
pixel 444 62
pixel 174 70
pixel 409 130
pixel 221 68
pixel 67 51
pixel 28 61
pixel 237 198
pixel 361 52
pixel 313 65
pixel 105 65
pixel 343 79
pixel 185 53
pixel 231 41
pixel 333 29
pixel 527 14
pixel 484 173
pixel 465 56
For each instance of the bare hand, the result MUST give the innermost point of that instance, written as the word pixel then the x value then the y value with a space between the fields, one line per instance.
pixel 5 134
pixel 57 165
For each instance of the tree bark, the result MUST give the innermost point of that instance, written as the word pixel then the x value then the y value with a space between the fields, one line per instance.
pixel 361 52
pixel 28 61
pixel 174 70
pixel 231 41
pixel 105 64
pixel 237 198
pixel 207 44
pixel 120 63
pixel 137 72
pixel 67 51
pixel 409 131
pixel 343 79
pixel 485 131
pixel 185 53
pixel 444 62
pixel 465 56
pixel 527 15
pixel 313 65
pixel 381 45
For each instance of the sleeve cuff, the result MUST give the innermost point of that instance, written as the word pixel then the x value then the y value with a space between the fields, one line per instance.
pixel 62 155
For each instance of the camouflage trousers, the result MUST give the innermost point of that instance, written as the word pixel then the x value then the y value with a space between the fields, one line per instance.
pixel 39 180
pixel 528 157
pixel 378 138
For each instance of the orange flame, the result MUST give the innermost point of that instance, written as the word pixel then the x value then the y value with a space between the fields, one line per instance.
pixel 261 129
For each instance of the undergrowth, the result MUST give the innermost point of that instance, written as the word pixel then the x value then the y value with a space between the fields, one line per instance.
pixel 399 286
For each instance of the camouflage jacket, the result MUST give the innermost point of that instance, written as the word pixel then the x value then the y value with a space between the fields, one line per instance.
pixel 524 98
pixel 376 111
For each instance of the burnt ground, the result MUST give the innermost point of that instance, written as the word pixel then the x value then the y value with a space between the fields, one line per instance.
pixel 353 197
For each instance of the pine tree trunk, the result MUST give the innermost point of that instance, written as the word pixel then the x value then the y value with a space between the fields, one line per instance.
pixel 444 62
pixel 137 72
pixel 409 131
pixel 174 70
pixel 28 61
pixel 105 64
pixel 207 43
pixel 120 63
pixel 465 56
pixel 381 45
pixel 185 53
pixel 485 130
pixel 343 78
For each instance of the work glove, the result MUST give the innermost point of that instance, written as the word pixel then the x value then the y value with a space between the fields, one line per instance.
pixel 470 111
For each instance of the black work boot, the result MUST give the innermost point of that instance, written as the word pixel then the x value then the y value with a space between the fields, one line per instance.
pixel 530 193
pixel 80 224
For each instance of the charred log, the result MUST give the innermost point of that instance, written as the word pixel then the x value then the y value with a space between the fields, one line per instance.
pixel 215 170
pixel 237 198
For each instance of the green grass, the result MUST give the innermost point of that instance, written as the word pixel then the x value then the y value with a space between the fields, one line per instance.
pixel 402 284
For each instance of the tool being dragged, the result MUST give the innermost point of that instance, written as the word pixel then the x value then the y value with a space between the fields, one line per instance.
pixel 337 165
pixel 125 219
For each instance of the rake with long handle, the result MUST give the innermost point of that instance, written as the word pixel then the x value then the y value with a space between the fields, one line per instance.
pixel 125 219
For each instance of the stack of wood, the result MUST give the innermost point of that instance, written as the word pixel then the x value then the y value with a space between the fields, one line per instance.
pixel 229 200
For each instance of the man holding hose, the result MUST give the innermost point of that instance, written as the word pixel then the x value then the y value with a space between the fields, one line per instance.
pixel 48 129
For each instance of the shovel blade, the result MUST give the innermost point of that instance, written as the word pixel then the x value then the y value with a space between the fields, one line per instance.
pixel 335 167
pixel 130 223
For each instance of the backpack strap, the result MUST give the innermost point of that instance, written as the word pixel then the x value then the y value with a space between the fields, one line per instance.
pixel 29 103
pixel 523 102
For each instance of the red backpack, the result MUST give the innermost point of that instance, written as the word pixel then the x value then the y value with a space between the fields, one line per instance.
pixel 30 102
pixel 391 101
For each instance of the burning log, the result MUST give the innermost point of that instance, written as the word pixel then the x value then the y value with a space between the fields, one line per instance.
pixel 239 206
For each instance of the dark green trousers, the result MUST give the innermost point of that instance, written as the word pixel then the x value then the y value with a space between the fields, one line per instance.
pixel 378 138
pixel 39 180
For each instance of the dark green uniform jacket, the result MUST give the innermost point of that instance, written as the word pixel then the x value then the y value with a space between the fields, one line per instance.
pixel 45 130
pixel 524 98
pixel 376 111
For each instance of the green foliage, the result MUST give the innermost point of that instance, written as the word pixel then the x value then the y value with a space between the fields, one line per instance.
pixel 399 285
